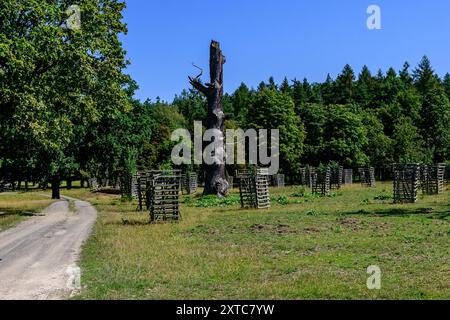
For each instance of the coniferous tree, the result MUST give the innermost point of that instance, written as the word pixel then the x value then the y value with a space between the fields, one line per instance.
pixel 405 76
pixel 241 100
pixel 326 90
pixel 364 87
pixel 344 88
pixel 446 84
pixel 286 87
pixel 272 84
pixel 435 111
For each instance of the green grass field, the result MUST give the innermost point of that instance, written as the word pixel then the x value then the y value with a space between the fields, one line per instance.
pixel 17 206
pixel 302 248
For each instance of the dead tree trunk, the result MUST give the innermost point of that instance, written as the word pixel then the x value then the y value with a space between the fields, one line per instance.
pixel 216 182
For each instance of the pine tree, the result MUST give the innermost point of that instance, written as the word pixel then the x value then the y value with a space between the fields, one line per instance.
pixel 446 84
pixel 286 87
pixel 344 89
pixel 272 85
pixel 424 76
pixel 364 87
pixel 241 99
pixel 326 90
pixel 299 96
pixel 435 111
pixel 405 76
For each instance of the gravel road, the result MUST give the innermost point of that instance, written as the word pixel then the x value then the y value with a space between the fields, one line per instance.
pixel 38 257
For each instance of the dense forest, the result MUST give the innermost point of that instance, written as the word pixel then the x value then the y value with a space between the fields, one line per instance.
pixel 67 107
pixel 355 119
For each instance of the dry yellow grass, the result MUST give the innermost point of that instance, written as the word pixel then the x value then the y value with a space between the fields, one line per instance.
pixel 17 206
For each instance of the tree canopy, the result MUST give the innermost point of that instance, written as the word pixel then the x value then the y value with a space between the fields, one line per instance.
pixel 67 106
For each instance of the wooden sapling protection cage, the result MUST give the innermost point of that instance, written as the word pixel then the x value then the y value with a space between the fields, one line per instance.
pixel 134 186
pixel 367 176
pixel 230 180
pixel 93 185
pixel 432 179
pixel 189 183
pixel 278 181
pixel 348 177
pixel 310 176
pixel 254 188
pixel 321 179
pixel 303 177
pixel 142 187
pixel 337 174
pixel 129 186
pixel 447 174
pixel 406 182
pixel 164 195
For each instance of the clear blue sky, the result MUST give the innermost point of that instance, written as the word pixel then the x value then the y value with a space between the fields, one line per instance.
pixel 263 38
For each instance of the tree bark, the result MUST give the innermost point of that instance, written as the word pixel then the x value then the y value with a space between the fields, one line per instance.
pixel 55 188
pixel 216 183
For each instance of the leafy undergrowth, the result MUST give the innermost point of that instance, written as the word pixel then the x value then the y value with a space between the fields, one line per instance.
pixel 317 249
pixel 212 201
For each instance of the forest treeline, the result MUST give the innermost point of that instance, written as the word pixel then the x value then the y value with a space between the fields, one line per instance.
pixel 67 107
pixel 357 119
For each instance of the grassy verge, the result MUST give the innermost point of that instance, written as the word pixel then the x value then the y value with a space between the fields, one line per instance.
pixel 17 206
pixel 304 247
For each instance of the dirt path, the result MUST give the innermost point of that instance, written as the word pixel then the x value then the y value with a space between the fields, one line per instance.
pixel 38 257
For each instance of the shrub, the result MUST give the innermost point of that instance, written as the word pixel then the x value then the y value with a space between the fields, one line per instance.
pixel 300 192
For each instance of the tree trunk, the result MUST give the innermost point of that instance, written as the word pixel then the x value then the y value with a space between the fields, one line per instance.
pixel 82 183
pixel 69 184
pixel 216 183
pixel 55 188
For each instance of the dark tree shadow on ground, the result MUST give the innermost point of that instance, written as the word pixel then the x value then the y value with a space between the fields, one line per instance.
pixel 430 213
pixel 139 222
pixel 7 213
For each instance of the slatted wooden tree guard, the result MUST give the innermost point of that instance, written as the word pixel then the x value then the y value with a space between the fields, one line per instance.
pixel 164 194
pixel 231 182
pixel 143 185
pixel 254 188
pixel 189 183
pixel 447 174
pixel 406 182
pixel 278 180
pixel 303 177
pixel 367 176
pixel 310 174
pixel 320 180
pixel 93 184
pixel 336 177
pixel 348 177
pixel 134 186
pixel 129 186
pixel 432 179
